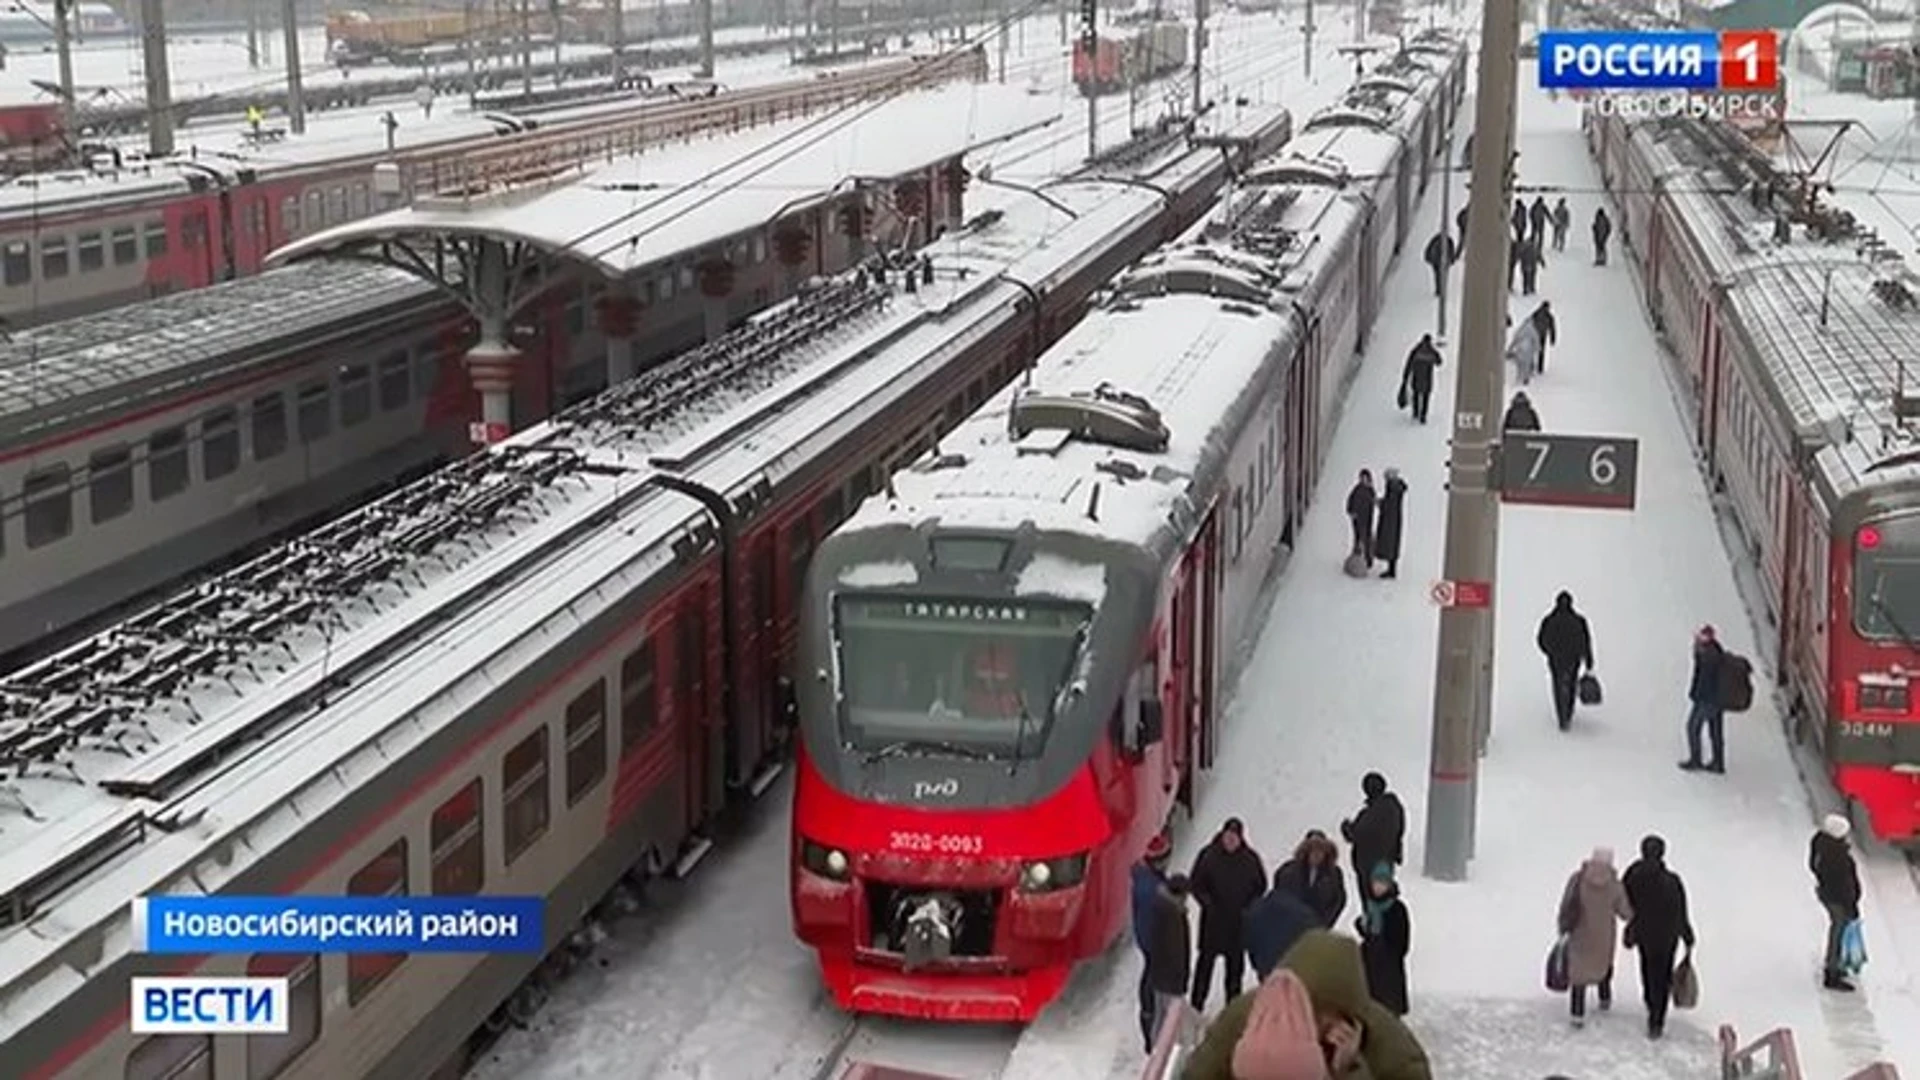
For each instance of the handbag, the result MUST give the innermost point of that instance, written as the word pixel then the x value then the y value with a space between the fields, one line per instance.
pixel 1686 984
pixel 1588 689
pixel 1853 947
pixel 1400 399
pixel 1557 978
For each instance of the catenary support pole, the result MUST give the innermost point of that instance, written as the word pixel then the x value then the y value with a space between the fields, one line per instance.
pixel 706 39
pixel 617 39
pixel 1446 230
pixel 559 50
pixel 470 45
pixel 1090 46
pixel 1307 29
pixel 296 93
pixel 253 33
pixel 1199 52
pixel 1005 32
pixel 1473 508
pixel 526 49
pixel 153 44
pixel 63 47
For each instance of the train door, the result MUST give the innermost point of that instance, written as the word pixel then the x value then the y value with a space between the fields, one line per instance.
pixel 1790 562
pixel 706 781
pixel 1298 406
pixel 1207 623
pixel 1710 362
pixel 1369 276
pixel 761 698
pixel 197 269
pixel 1183 742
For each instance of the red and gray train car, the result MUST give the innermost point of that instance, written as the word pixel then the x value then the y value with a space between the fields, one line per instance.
pixel 1789 353
pixel 543 668
pixel 1146 52
pixel 1014 664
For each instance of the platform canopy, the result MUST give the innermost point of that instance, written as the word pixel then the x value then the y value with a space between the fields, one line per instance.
pixel 638 212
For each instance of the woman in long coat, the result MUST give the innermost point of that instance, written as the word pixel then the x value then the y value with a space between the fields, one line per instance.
pixel 1591 902
pixel 1386 529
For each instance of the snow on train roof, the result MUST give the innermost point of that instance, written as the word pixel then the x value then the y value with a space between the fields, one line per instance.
pixel 66 372
pixel 632 213
pixel 210 703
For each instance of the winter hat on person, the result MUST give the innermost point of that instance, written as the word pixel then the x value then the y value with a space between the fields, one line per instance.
pixel 1373 785
pixel 1706 633
pixel 1393 473
pixel 1236 826
pixel 1652 848
pixel 1603 856
pixel 1836 827
pixel 1178 885
pixel 1158 849
pixel 1564 600
pixel 1382 871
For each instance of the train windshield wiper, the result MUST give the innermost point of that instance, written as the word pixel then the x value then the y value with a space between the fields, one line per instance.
pixel 904 747
pixel 1887 616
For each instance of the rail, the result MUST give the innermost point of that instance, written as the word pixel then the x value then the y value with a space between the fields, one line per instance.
pixel 517 160
pixel 1770 1057
pixel 1179 1034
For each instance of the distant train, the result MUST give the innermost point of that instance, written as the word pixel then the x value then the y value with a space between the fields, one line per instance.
pixel 1148 52
pixel 1792 353
pixel 1014 663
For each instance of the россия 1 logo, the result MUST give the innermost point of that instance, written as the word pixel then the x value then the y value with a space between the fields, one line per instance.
pixel 1659 60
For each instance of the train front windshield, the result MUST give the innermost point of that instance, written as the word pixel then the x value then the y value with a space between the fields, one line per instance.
pixel 1886 579
pixel 982 677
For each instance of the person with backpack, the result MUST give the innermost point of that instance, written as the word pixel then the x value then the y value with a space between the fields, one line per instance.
pixel 1357 1037
pixel 1169 953
pixel 1227 877
pixel 1273 923
pixel 1416 378
pixel 1836 884
pixel 1567 642
pixel 1313 875
pixel 1386 935
pixel 1589 904
pixel 1149 876
pixel 1377 833
pixel 1659 925
pixel 1719 679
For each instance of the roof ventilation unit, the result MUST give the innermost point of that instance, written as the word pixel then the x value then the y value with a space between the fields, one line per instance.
pixel 1107 415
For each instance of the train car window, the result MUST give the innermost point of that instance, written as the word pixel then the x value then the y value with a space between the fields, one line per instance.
pixel 269 426
pixel 523 804
pixel 337 205
pixel 356 394
pixel 156 233
pixel 110 483
pixel 586 740
pixel 666 286
pixel 54 263
pixel 316 210
pixel 172 1057
pixel 426 371
pixel 577 316
pixel 18 263
pixel 833 509
pixel 269 1055
pixel 639 708
pixel 396 382
pixel 357 196
pixel 759 249
pixel 167 473
pixel 686 278
pixel 126 246
pixel 49 498
pixel 316 411
pixel 457 850
pixel 219 444
pixel 290 215
pixel 386 875
pixel 93 252
pixel 799 553
pixel 257 221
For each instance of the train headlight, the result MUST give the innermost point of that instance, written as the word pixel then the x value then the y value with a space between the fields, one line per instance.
pixel 831 863
pixel 1048 875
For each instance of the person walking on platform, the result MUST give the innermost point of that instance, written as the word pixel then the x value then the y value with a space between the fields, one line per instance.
pixel 1274 922
pixel 1170 953
pixel 1386 533
pixel 1460 223
pixel 1589 904
pixel 1602 232
pixel 1440 255
pixel 1658 927
pixel 1360 505
pixel 1567 642
pixel 1377 834
pixel 1562 221
pixel 1519 222
pixel 1539 216
pixel 1836 883
pixel 1149 877
pixel 1313 875
pixel 1416 379
pixel 1386 935
pixel 1530 257
pixel 1546 327
pixel 1227 877
pixel 1704 712
pixel 1520 415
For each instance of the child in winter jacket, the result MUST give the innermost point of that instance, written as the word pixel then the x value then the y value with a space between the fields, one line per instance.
pixel 1360 1039
pixel 1386 934
pixel 1169 950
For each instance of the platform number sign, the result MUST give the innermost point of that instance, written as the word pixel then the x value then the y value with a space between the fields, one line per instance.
pixel 1600 471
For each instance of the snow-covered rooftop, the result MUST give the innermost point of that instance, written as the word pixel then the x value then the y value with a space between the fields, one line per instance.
pixel 211 703
pixel 634 213
pixel 65 373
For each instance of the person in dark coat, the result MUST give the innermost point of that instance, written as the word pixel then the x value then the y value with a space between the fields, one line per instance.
pixel 1227 877
pixel 1169 953
pixel 1539 215
pixel 1386 933
pixel 1466 154
pixel 1659 924
pixel 1836 882
pixel 1602 232
pixel 1567 643
pixel 1386 532
pixel 1416 379
pixel 1704 712
pixel 1529 256
pixel 1313 875
pixel 1460 223
pixel 1440 255
pixel 1377 833
pixel 1514 248
pixel 1149 876
pixel 1273 923
pixel 1562 221
pixel 1520 415
pixel 1519 221
pixel 1360 503
pixel 1547 328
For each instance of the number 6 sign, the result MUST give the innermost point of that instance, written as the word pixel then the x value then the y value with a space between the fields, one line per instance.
pixel 1600 471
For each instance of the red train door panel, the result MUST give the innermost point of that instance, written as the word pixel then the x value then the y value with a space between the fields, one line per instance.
pixel 695 711
pixel 1179 696
pixel 760 700
pixel 1207 620
pixel 1711 378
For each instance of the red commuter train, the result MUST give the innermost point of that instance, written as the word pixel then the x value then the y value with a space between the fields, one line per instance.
pixel 1011 666
pixel 1788 348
